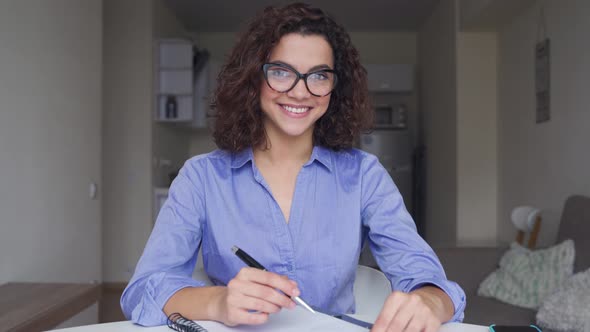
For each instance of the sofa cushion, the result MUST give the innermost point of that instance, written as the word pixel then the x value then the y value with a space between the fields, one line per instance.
pixel 525 277
pixel 486 311
pixel 567 308
pixel 575 225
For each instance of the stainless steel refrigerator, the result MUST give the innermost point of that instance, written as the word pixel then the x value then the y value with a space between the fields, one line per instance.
pixel 395 149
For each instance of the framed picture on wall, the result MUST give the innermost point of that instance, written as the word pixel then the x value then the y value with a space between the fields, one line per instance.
pixel 542 81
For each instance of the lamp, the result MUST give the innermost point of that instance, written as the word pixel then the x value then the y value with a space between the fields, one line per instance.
pixel 526 219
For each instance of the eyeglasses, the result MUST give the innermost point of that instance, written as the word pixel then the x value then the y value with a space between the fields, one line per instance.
pixel 283 78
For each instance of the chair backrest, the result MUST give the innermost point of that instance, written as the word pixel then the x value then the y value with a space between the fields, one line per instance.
pixel 575 225
pixel 371 289
pixel 200 274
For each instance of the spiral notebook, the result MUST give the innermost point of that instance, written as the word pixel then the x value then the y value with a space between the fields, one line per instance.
pixel 177 322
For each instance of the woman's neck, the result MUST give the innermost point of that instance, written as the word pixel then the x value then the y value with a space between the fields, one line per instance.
pixel 283 150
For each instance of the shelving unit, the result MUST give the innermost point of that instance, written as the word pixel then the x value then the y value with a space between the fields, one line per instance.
pixel 174 78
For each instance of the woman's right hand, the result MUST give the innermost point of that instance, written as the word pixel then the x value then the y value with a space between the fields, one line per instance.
pixel 252 295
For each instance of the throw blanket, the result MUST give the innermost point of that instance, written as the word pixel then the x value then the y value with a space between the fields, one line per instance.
pixel 568 309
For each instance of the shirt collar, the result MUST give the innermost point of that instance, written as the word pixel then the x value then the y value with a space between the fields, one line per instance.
pixel 319 153
pixel 239 159
pixel 322 155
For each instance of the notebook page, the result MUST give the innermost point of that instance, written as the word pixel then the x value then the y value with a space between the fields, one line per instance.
pixel 295 320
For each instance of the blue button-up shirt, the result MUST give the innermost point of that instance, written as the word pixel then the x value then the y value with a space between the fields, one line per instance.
pixel 341 199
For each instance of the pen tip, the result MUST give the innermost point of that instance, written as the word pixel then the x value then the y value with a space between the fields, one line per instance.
pixel 234 249
pixel 303 304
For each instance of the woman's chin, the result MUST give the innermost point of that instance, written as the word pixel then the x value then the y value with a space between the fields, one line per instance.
pixel 296 132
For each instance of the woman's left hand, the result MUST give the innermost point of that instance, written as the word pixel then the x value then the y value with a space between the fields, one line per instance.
pixel 422 310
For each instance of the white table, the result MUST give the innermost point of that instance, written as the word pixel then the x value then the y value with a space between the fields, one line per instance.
pixel 127 326
pixel 295 320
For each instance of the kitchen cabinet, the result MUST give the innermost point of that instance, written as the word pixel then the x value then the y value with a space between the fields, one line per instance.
pixel 394 78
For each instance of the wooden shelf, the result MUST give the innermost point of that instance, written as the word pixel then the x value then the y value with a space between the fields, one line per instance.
pixel 42 306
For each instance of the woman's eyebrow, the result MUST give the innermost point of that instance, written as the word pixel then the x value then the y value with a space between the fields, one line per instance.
pixel 319 67
pixel 312 69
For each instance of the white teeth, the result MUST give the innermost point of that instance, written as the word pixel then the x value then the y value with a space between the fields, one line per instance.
pixel 296 109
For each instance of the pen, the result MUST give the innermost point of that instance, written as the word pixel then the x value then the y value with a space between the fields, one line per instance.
pixel 251 262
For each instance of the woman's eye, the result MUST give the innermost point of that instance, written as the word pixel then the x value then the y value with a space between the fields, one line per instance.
pixel 278 72
pixel 319 76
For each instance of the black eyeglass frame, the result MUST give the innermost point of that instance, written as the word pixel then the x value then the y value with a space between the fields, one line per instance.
pixel 299 77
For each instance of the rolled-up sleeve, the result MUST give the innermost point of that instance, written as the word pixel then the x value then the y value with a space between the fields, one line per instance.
pixel 405 258
pixel 170 255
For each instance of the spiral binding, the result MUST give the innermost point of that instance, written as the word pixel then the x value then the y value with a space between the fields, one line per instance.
pixel 177 322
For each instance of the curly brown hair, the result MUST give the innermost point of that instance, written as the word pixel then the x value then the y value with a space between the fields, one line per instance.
pixel 239 119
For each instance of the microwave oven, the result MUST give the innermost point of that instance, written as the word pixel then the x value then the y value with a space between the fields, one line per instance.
pixel 391 116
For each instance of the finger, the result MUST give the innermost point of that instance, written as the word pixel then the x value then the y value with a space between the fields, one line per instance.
pixel 423 319
pixel 240 316
pixel 270 279
pixel 415 325
pixel 408 313
pixel 252 303
pixel 390 308
pixel 260 292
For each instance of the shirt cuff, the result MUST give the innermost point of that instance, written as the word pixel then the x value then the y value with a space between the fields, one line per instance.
pixel 158 290
pixel 452 289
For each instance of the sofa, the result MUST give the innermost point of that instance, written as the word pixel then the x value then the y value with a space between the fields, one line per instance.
pixel 469 266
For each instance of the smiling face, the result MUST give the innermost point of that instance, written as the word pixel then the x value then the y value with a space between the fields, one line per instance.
pixel 293 114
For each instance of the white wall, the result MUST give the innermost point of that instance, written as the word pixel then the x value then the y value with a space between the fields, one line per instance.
pixel 476 138
pixel 127 135
pixel 542 164
pixel 132 141
pixel 50 88
pixel 438 94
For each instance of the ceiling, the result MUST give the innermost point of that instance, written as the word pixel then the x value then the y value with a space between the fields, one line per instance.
pixel 355 15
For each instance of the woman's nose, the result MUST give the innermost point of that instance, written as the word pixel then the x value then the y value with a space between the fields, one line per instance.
pixel 299 91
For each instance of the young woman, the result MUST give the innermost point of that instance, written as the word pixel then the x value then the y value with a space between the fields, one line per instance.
pixel 288 188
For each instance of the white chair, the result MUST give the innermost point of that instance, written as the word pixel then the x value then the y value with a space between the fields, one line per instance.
pixel 371 289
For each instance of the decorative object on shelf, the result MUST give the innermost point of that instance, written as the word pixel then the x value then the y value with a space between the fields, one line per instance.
pixel 527 219
pixel 171 107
